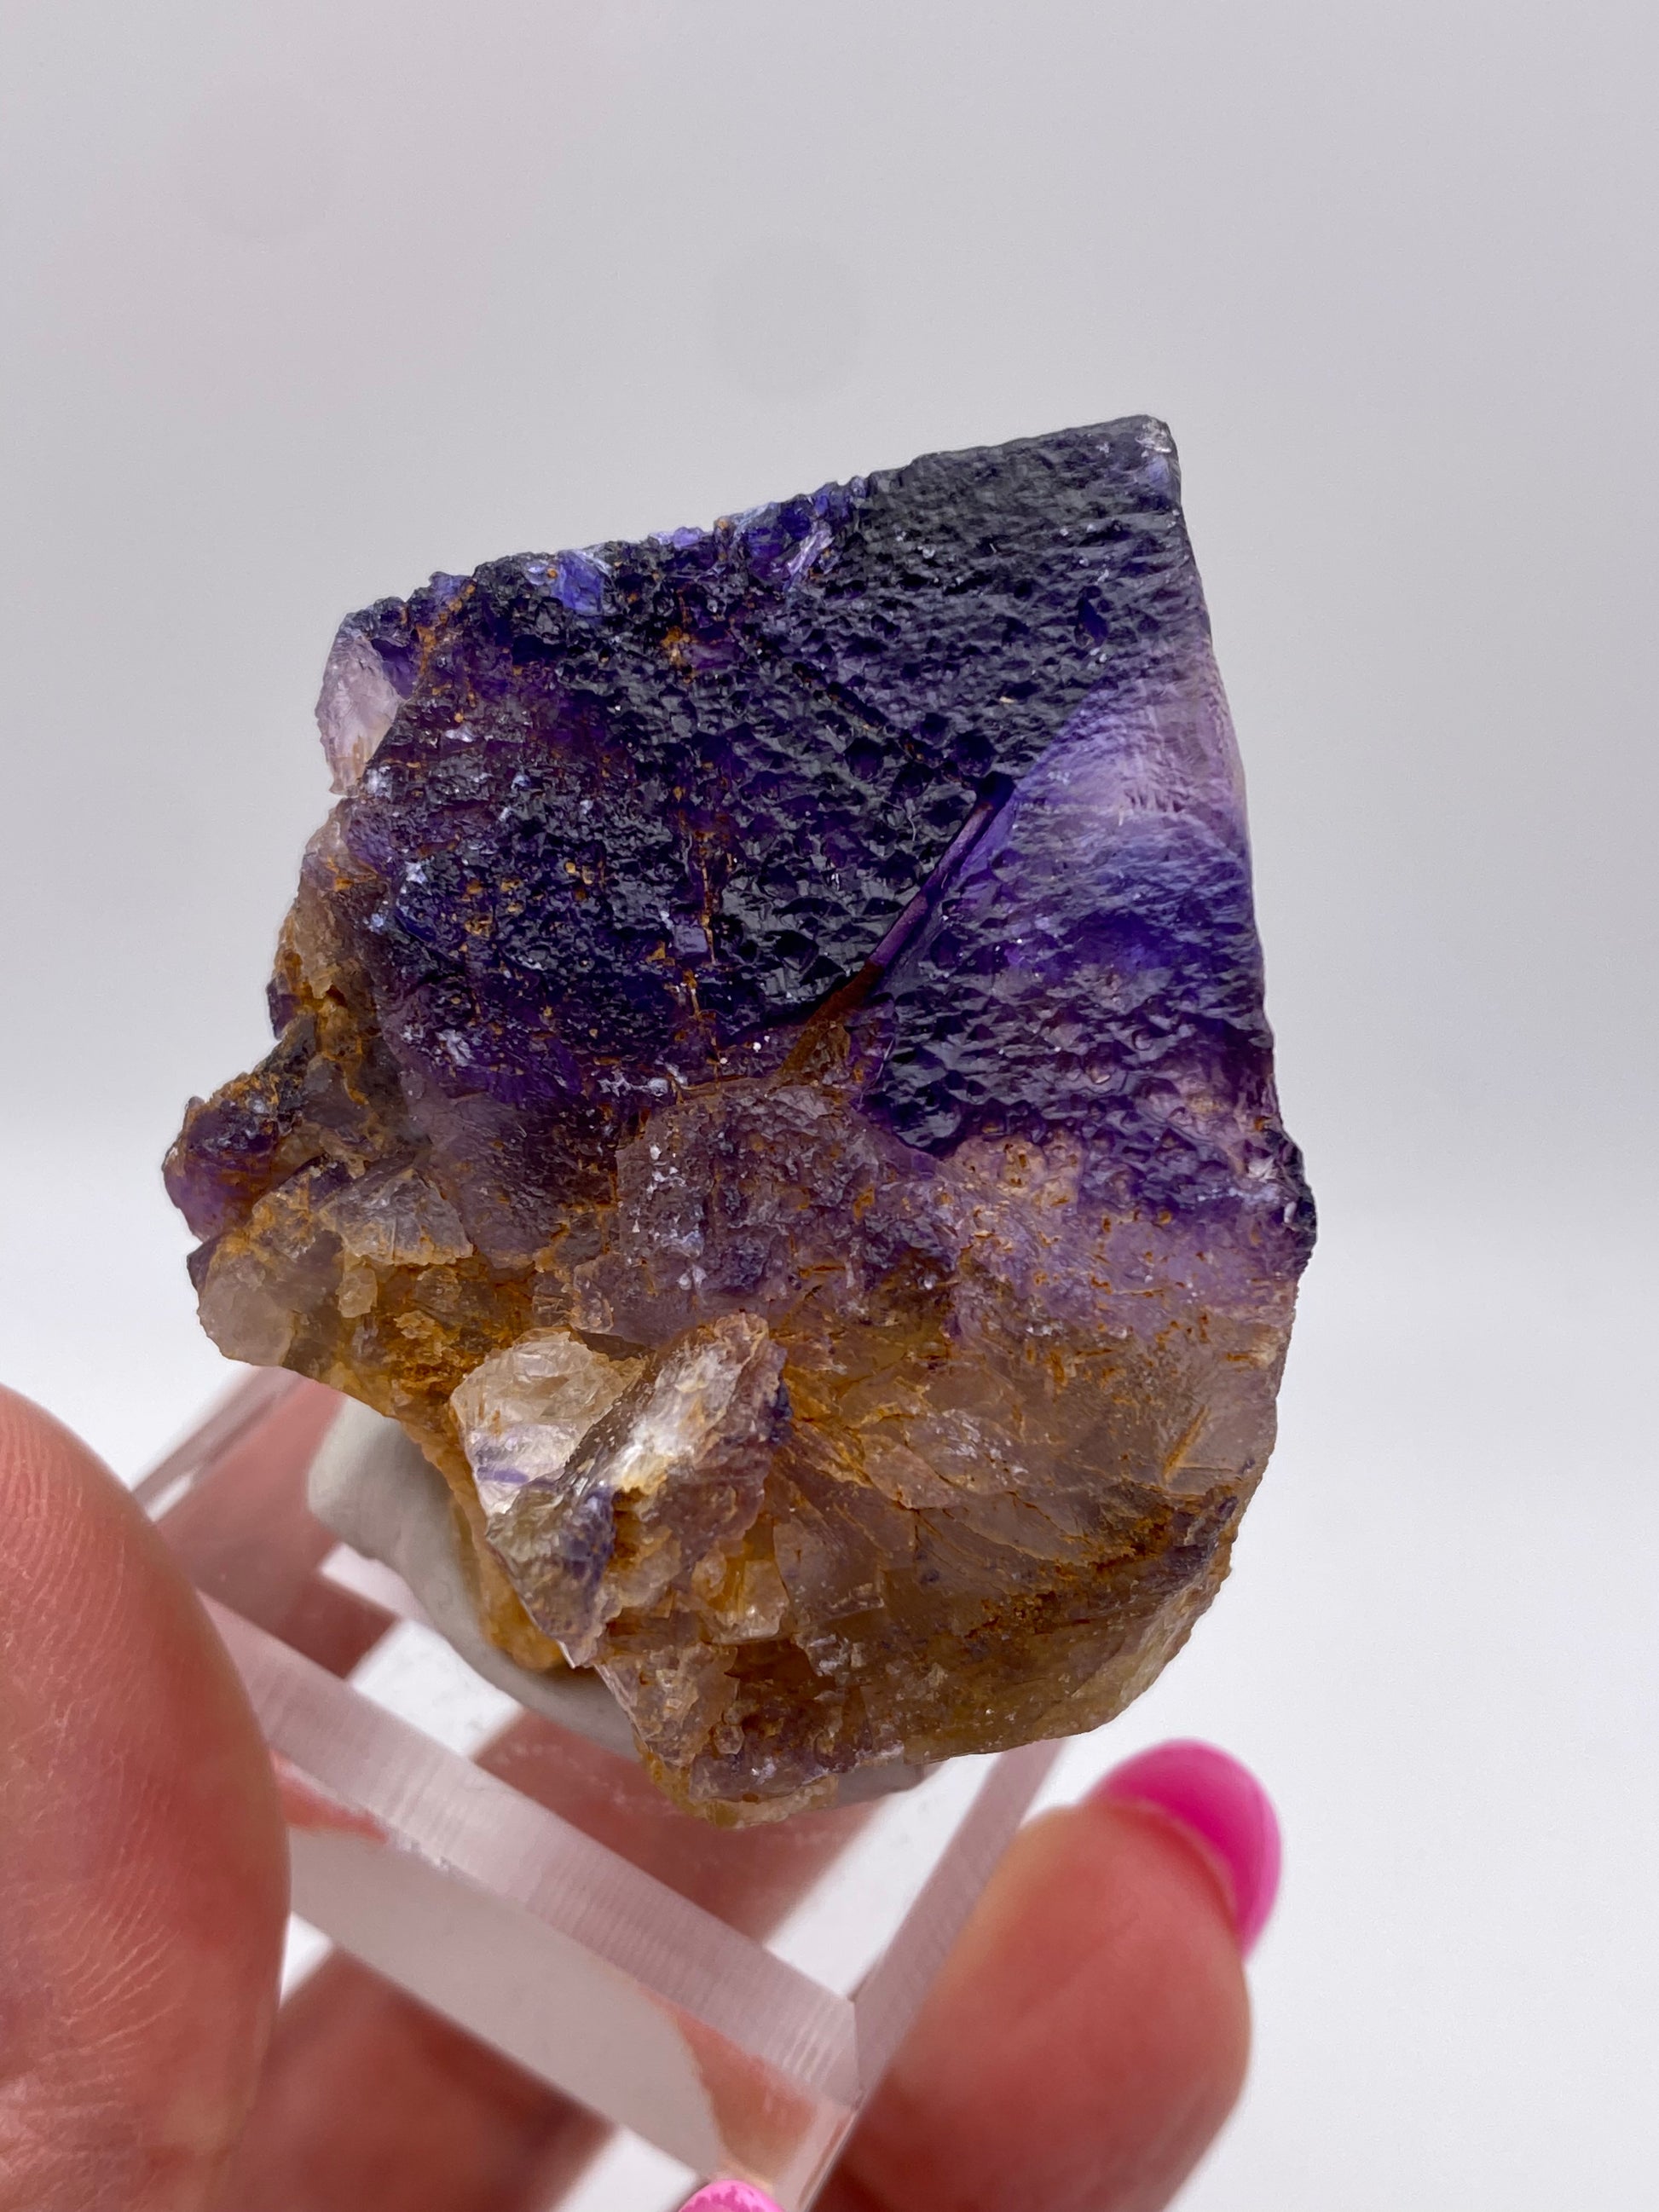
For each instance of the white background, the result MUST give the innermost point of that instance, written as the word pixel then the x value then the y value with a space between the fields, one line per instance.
pixel 301 302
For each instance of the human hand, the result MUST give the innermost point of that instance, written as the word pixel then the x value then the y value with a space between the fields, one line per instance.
pixel 1084 2043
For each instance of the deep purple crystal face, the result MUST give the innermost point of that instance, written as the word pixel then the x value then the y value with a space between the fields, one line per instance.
pixel 806 965
pixel 643 807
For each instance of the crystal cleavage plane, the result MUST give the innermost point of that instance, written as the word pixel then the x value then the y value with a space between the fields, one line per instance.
pixel 772 1092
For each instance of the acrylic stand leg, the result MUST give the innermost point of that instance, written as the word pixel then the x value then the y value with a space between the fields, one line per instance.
pixel 732 1997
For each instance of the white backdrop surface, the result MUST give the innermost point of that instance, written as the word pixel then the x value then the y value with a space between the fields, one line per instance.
pixel 303 303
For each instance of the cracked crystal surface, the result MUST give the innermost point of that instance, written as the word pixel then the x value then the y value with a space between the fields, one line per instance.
pixel 772 1090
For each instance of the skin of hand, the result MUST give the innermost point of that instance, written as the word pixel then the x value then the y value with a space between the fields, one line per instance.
pixel 1079 2052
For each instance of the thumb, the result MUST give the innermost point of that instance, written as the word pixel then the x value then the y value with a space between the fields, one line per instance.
pixel 143 1871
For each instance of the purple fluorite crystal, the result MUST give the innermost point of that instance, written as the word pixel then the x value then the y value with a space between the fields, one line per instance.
pixel 772 1090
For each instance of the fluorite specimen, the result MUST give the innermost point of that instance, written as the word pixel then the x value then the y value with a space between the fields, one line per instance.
pixel 772 1090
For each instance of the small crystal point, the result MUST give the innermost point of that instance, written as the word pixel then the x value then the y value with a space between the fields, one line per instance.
pixel 355 707
pixel 772 1091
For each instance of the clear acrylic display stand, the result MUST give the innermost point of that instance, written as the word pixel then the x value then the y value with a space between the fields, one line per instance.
pixel 731 1997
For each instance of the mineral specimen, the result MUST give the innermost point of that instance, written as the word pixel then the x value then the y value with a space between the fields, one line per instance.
pixel 772 1091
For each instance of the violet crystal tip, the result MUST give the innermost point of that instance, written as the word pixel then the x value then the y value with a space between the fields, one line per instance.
pixel 772 1091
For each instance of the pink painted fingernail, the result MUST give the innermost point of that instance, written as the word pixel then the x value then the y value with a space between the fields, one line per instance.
pixel 729 2196
pixel 1224 1810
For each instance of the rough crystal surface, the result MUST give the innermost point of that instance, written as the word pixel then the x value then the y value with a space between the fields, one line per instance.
pixel 772 1090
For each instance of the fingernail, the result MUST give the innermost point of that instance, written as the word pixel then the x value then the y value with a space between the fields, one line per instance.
pixel 729 2196
pixel 1223 1808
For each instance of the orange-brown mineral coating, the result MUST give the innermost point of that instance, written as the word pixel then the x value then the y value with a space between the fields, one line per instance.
pixel 995 1514
pixel 873 1382
pixel 396 1318
pixel 1009 1519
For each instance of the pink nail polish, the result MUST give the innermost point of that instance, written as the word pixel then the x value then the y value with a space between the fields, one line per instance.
pixel 1226 1811
pixel 729 2196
